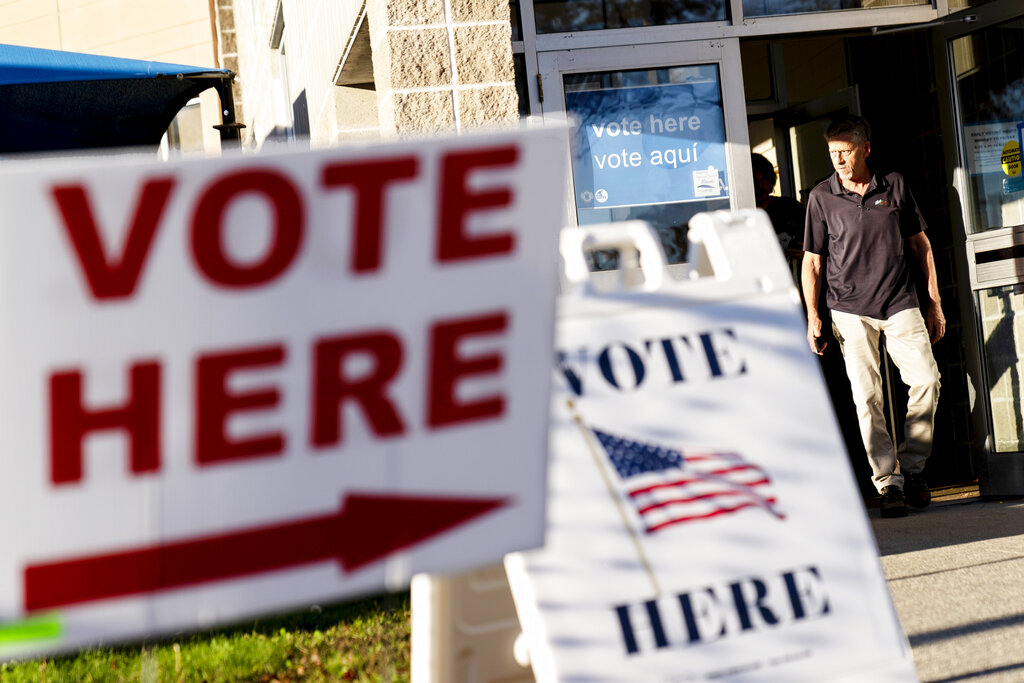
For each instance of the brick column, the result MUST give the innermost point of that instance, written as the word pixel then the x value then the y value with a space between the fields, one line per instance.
pixel 227 47
pixel 442 64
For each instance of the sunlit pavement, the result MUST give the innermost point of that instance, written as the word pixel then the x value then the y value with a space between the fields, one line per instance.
pixel 956 574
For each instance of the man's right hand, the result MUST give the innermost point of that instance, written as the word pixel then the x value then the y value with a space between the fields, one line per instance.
pixel 814 338
pixel 810 277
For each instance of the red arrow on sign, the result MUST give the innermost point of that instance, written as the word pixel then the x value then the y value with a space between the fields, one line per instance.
pixel 364 530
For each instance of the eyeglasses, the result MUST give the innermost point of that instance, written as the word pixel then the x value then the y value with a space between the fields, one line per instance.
pixel 842 153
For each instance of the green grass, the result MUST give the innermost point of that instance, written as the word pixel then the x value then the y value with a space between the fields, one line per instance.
pixel 359 641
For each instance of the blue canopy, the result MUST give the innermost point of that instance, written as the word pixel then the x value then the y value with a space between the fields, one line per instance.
pixel 54 100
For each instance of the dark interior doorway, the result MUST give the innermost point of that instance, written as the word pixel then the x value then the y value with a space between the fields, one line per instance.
pixel 794 87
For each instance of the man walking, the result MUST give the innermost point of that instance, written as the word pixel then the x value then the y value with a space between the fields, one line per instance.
pixel 869 230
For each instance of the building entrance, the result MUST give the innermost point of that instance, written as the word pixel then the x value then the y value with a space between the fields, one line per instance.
pixel 794 88
pixel 930 77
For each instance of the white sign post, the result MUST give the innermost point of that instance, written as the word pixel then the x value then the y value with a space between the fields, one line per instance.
pixel 242 385
pixel 703 521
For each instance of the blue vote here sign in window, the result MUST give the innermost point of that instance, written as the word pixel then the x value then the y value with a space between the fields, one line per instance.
pixel 648 144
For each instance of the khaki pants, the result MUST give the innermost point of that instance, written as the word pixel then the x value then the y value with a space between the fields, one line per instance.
pixel 906 340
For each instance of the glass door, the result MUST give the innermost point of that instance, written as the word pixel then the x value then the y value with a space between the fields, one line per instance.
pixel 659 134
pixel 987 73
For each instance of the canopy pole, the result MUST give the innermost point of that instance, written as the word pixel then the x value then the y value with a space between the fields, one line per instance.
pixel 230 129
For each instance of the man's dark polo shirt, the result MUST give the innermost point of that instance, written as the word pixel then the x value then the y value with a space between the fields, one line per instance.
pixel 868 267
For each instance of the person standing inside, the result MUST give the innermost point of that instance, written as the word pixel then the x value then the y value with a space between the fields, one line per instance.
pixel 867 232
pixel 786 214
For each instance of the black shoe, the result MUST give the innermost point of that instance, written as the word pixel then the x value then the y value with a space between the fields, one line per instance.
pixel 916 490
pixel 893 504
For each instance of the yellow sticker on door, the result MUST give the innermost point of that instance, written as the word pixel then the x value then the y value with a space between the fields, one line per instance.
pixel 1011 158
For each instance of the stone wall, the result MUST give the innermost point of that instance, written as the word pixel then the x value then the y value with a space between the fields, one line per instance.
pixel 442 64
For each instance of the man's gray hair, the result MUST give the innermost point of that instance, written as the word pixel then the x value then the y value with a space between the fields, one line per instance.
pixel 849 127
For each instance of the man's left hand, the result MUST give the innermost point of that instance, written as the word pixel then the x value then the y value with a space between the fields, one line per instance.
pixel 936 322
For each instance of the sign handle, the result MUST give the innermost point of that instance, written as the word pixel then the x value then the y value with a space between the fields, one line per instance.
pixel 740 246
pixel 626 237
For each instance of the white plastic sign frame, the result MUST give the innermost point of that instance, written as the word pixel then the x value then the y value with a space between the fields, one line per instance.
pixel 243 385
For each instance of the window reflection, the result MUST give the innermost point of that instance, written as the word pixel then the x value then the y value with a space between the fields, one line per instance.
pixel 562 16
pixel 989 68
pixel 1001 316
pixel 760 8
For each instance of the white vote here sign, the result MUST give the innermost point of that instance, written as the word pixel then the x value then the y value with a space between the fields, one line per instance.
pixel 245 384
pixel 703 523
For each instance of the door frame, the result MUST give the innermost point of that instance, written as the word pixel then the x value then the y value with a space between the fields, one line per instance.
pixel 725 53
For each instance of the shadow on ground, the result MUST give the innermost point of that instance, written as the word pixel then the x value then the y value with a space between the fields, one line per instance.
pixel 952 523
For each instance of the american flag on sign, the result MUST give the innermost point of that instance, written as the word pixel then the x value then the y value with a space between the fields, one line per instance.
pixel 667 487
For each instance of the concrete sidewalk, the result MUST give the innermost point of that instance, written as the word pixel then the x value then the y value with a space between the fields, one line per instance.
pixel 956 574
